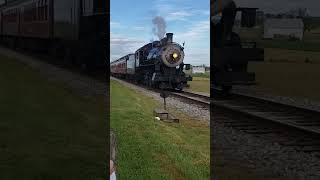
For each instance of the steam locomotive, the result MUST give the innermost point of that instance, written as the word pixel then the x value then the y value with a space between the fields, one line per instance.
pixel 229 55
pixel 158 64
pixel 74 30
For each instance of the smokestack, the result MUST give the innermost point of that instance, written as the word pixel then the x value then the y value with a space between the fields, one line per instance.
pixel 169 37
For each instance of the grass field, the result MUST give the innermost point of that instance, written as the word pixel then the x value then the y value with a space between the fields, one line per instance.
pixel 291 68
pixel 46 130
pixel 310 42
pixel 304 45
pixel 201 75
pixel 148 149
pixel 200 84
pixel 298 80
pixel 291 56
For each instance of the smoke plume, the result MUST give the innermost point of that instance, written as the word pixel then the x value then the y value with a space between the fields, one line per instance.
pixel 159 27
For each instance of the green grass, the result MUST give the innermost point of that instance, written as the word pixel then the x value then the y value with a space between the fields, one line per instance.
pixel 148 149
pixel 46 130
pixel 200 84
pixel 299 80
pixel 202 75
pixel 293 45
pixel 310 42
pixel 291 68
pixel 291 56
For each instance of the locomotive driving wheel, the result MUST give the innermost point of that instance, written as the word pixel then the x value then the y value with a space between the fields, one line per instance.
pixel 148 80
pixel 179 87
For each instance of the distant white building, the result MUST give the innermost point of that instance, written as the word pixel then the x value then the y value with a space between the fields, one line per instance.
pixel 274 27
pixel 198 69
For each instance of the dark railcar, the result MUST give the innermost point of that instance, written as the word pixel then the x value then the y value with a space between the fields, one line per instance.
pixel 73 29
pixel 10 21
pixel 35 19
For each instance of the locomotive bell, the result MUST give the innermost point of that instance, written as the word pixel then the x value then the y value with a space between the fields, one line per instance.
pixel 169 37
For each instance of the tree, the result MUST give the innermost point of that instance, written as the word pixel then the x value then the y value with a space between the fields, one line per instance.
pixel 302 12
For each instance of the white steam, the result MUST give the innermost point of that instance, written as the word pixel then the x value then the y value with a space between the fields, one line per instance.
pixel 159 27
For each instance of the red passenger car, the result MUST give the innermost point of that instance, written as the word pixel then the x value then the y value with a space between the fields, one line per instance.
pixel 10 21
pixel 119 67
pixel 35 19
pixel 75 30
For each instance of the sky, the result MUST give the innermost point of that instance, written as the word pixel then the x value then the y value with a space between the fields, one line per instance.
pixel 131 26
pixel 277 6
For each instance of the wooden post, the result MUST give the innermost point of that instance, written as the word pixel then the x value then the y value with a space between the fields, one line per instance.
pixel 164 95
pixel 112 146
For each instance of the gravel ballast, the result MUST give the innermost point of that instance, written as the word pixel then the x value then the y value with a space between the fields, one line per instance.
pixel 265 156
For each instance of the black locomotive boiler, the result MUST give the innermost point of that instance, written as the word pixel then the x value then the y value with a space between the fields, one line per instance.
pixel 158 64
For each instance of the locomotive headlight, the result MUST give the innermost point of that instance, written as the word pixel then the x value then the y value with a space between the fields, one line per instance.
pixel 172 55
pixel 175 55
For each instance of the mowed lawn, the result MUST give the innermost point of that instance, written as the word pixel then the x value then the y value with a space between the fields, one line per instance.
pixel 46 130
pixel 299 80
pixel 310 42
pixel 291 56
pixel 291 68
pixel 149 149
pixel 200 83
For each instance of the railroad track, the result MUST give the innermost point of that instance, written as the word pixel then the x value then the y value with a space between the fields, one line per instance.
pixel 288 125
pixel 285 124
pixel 194 98
pixel 187 96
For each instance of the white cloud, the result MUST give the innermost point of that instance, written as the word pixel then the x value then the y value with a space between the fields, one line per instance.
pixel 174 11
pixel 205 12
pixel 197 34
pixel 197 56
pixel 140 28
pixel 115 24
pixel 197 31
pixel 163 7
pixel 179 15
pixel 121 45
